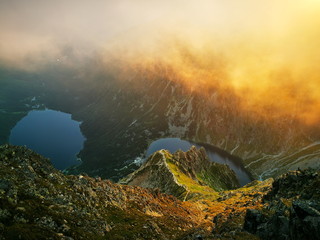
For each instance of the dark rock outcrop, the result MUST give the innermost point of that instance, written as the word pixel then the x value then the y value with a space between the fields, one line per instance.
pixel 39 202
pixel 291 210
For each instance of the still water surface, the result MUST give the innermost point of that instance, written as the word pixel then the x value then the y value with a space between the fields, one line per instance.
pixel 52 134
pixel 55 135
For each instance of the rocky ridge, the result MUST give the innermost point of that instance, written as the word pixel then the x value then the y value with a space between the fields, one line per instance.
pixel 151 104
pixel 292 208
pixel 39 202
pixel 185 175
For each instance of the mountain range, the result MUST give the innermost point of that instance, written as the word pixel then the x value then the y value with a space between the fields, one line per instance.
pixel 39 202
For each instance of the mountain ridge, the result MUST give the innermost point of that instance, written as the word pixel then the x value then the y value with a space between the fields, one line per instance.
pixel 183 174
pixel 132 113
pixel 39 202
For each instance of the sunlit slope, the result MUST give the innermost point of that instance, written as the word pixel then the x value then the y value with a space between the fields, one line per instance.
pixel 38 201
pixel 185 175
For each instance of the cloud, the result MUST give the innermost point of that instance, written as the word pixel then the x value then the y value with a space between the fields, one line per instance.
pixel 42 27
pixel 267 51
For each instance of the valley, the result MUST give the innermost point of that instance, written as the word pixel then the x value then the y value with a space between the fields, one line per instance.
pixel 169 120
pixel 121 119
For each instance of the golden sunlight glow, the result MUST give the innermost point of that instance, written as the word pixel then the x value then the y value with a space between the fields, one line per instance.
pixel 266 51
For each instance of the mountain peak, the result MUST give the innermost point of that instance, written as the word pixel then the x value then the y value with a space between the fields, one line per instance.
pixel 185 175
pixel 39 202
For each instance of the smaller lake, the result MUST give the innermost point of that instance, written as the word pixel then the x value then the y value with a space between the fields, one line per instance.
pixel 52 134
pixel 215 154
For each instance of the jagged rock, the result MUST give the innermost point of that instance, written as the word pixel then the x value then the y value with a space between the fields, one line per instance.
pixel 253 218
pixel 304 209
pixel 52 205
pixel 39 202
pixel 183 174
pixel 155 173
pixel 291 209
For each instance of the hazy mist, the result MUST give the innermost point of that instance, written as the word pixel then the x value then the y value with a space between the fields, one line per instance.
pixel 266 51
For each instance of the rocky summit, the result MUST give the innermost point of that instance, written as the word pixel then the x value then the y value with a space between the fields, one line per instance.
pixel 39 202
pixel 293 208
pixel 185 175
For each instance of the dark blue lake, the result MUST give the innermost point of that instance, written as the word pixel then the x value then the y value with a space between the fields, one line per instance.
pixel 215 154
pixel 52 134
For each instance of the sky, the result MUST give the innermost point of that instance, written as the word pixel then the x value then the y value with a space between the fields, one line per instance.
pixel 34 27
pixel 267 51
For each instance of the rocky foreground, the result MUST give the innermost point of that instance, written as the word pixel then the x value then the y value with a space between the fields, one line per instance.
pixel 39 202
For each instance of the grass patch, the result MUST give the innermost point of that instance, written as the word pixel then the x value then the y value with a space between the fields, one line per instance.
pixel 191 185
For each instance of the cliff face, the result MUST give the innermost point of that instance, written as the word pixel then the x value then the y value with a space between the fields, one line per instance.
pixel 133 113
pixel 157 107
pixel 39 202
pixel 183 174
